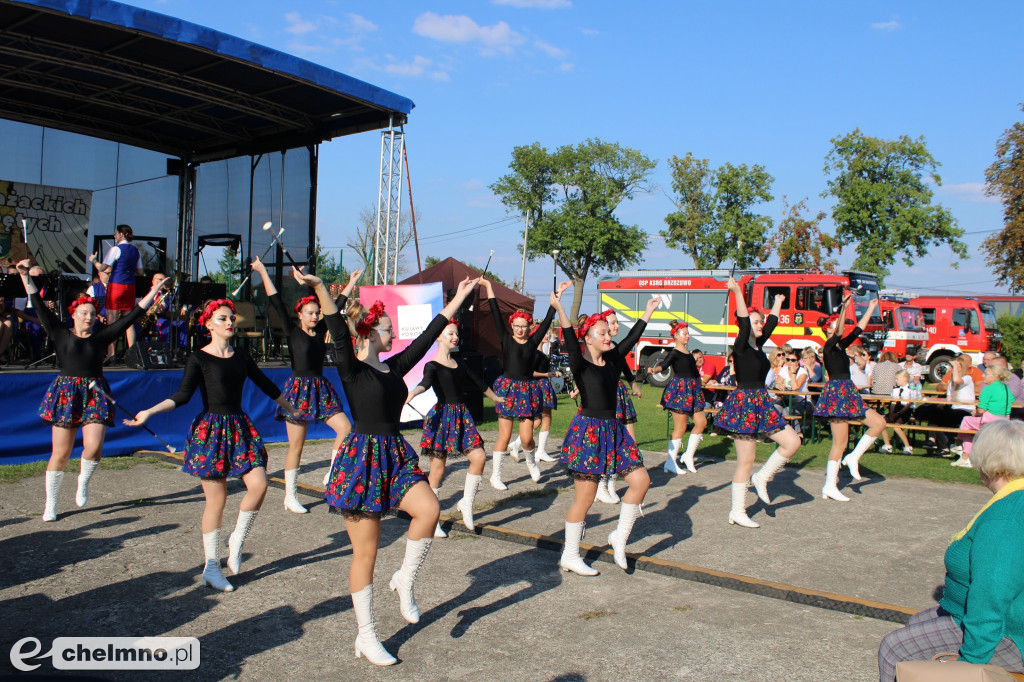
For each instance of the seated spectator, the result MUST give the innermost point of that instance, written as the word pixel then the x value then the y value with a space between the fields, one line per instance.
pixel 974 373
pixel 809 361
pixel 993 404
pixel 959 389
pixel 986 359
pixel 883 375
pixel 775 362
pixel 707 373
pixel 979 613
pixel 913 367
pixel 727 377
pixel 1012 381
pixel 858 368
pixel 792 377
pixel 901 412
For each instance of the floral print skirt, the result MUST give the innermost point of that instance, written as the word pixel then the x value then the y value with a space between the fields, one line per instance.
pixel 372 473
pixel 749 413
pixel 840 401
pixel 222 445
pixel 449 430
pixel 518 399
pixel 315 395
pixel 683 395
pixel 599 447
pixel 624 410
pixel 549 401
pixel 70 403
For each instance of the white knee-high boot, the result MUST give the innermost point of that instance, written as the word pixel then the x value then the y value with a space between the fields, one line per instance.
pixel 54 479
pixel 571 560
pixel 212 575
pixel 831 489
pixel 513 448
pixel 496 462
pixel 602 491
pixel 367 643
pixel 670 462
pixel 852 460
pixel 738 514
pixel 542 448
pixel 404 578
pixel 531 465
pixel 766 473
pixel 465 505
pixel 438 531
pixel 291 501
pixel 88 466
pixel 691 449
pixel 619 537
pixel 235 540
pixel 610 483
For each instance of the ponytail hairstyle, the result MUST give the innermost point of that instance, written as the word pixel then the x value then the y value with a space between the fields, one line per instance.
pixel 126 232
pixel 212 307
pixel 82 300
pixel 303 301
pixel 589 323
pixel 365 324
pixel 677 326
pixel 521 314
pixel 580 319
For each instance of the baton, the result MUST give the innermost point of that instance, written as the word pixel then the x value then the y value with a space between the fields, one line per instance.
pixel 95 385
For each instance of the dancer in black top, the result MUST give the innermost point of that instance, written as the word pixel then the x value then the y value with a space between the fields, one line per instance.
pixel 549 401
pixel 682 397
pixel 597 443
pixel 840 401
pixel 223 440
pixel 306 388
pixel 749 412
pixel 449 429
pixel 519 393
pixel 70 403
pixel 376 469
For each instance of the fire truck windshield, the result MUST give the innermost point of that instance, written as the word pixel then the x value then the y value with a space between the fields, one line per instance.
pixel 864 290
pixel 988 315
pixel 909 320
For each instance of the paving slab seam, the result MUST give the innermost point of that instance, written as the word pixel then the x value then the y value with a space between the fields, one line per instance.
pixel 731 581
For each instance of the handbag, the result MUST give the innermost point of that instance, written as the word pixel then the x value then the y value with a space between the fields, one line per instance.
pixel 938 670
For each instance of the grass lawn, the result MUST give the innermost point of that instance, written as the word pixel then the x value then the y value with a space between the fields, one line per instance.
pixel 12 473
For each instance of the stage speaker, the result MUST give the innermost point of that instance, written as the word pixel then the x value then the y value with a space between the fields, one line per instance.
pixel 149 355
pixel 473 399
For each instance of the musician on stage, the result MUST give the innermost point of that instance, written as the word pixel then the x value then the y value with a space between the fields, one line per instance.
pixel 124 262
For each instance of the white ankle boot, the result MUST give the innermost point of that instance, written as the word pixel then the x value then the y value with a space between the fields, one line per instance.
pixel 831 489
pixel 330 467
pixel 367 643
pixel 88 467
pixel 619 537
pixel 496 462
pixel 54 479
pixel 571 560
pixel 766 473
pixel 852 460
pixel 691 449
pixel 542 448
pixel 670 462
pixel 738 515
pixel 602 491
pixel 531 465
pixel 610 483
pixel 235 540
pixel 465 505
pixel 212 575
pixel 291 501
pixel 513 449
pixel 438 530
pixel 404 578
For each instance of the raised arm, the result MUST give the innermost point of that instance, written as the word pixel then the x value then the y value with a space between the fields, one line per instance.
pixel 841 323
pixel 541 331
pixel 866 317
pixel 407 359
pixel 259 268
pixel 499 323
pixel 638 329
pixel 327 304
pixel 737 297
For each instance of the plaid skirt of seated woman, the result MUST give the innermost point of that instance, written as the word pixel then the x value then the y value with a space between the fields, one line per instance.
pixel 683 396
pixel 518 399
pixel 315 395
pixel 371 474
pixel 749 414
pixel 549 401
pixel 222 445
pixel 70 403
pixel 449 430
pixel 599 447
pixel 624 410
pixel 840 401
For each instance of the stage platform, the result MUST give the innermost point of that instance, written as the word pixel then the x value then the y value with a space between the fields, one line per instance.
pixel 26 438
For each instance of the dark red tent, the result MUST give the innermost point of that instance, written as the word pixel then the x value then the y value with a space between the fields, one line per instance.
pixel 449 273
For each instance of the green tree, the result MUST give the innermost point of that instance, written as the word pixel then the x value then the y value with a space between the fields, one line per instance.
pixel 1012 329
pixel 228 266
pixel 1005 179
pixel 799 241
pixel 570 197
pixel 326 266
pixel 883 202
pixel 714 220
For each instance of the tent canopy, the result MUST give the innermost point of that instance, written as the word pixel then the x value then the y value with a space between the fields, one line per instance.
pixel 449 273
pixel 121 73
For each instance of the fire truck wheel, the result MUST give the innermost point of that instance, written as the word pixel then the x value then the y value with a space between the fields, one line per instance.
pixel 661 379
pixel 939 367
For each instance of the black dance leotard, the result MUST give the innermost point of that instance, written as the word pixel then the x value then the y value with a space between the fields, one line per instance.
pixel 682 364
pixel 598 383
pixel 833 354
pixel 307 351
pixel 517 358
pixel 220 381
pixel 750 363
pixel 450 383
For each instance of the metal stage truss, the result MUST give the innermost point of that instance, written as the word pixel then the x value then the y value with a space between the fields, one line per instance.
pixel 387 242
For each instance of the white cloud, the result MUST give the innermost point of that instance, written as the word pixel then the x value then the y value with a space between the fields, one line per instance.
pixel 297 25
pixel 535 4
pixel 461 29
pixel 361 24
pixel 888 26
pixel 973 192
pixel 566 66
pixel 550 50
pixel 418 67
pixel 590 32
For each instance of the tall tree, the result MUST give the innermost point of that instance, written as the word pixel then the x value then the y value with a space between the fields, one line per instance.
pixel 326 266
pixel 799 241
pixel 883 201
pixel 364 241
pixel 714 220
pixel 1005 179
pixel 228 266
pixel 570 196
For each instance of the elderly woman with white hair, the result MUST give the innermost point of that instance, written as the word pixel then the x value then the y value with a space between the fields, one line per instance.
pixel 981 613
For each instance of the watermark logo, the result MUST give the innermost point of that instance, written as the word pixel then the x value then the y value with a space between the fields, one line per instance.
pixel 109 653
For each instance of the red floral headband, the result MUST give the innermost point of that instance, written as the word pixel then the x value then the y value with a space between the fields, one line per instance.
pixel 82 300
pixel 304 300
pixel 752 309
pixel 520 314
pixel 212 307
pixel 826 322
pixel 677 326
pixel 589 323
pixel 608 314
pixel 370 320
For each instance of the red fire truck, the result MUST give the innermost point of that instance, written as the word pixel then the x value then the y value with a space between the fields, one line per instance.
pixel 903 326
pixel 957 325
pixel 699 297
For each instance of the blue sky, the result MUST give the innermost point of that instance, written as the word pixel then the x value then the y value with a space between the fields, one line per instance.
pixel 739 82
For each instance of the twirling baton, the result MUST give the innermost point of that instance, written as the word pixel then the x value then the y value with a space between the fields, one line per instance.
pixel 486 267
pixel 248 276
pixel 732 274
pixel 274 237
pixel 94 385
